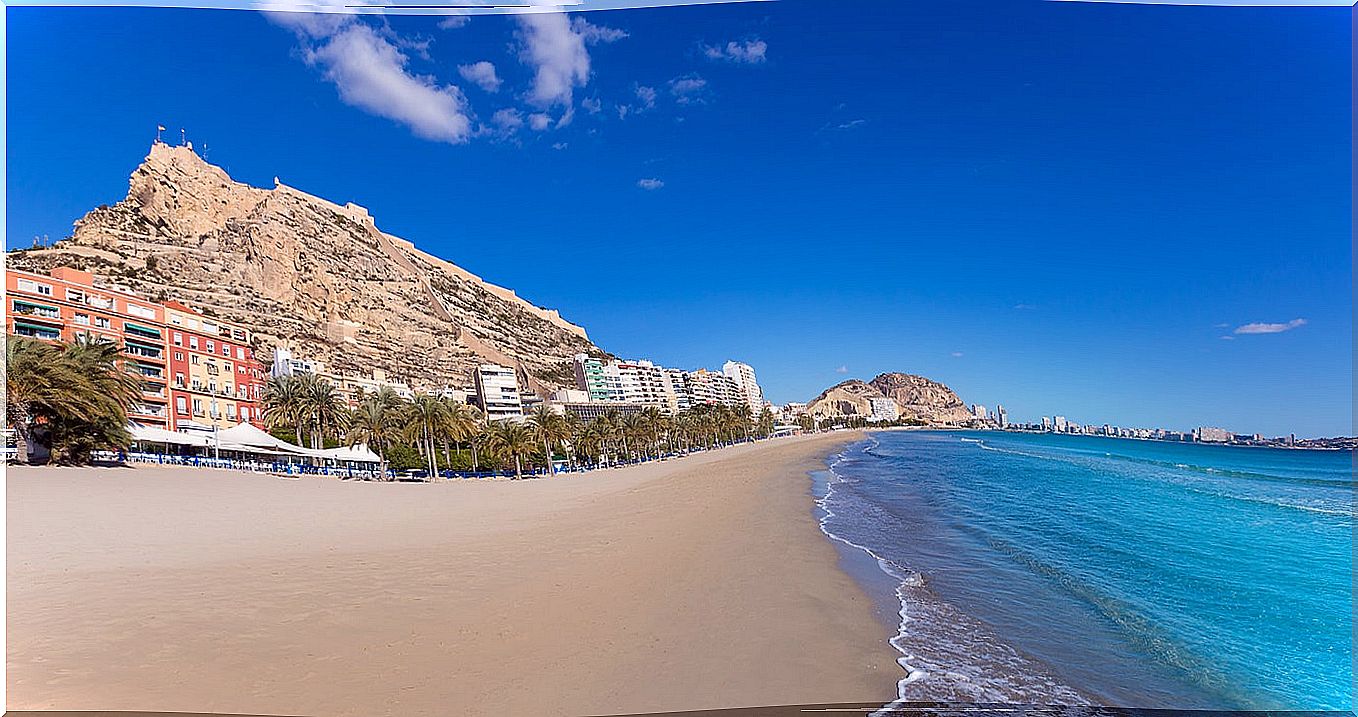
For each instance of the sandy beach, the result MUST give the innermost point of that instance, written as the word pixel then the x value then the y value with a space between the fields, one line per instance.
pixel 691 584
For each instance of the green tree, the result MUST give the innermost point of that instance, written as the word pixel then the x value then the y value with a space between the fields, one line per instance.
pixel 77 395
pixel 511 441
pixel 551 429
pixel 376 422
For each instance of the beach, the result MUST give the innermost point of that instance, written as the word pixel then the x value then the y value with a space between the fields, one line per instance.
pixel 688 584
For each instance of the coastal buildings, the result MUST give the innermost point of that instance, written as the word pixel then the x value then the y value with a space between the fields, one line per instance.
pixel 743 376
pixel 65 303
pixel 1207 434
pixel 979 411
pixel 884 410
pixel 643 383
pixel 1001 416
pixel 352 388
pixel 497 392
pixel 215 379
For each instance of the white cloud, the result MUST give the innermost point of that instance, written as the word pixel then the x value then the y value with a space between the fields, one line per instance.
pixel 482 74
pixel 1024 307
pixel 595 34
pixel 539 121
pixel 508 119
pixel 749 52
pixel 688 89
pixel 592 105
pixel 623 110
pixel 842 369
pixel 646 95
pixel 560 145
pixel 558 54
pixel 650 184
pixel 370 72
pixel 1263 328
pixel 957 354
pixel 452 22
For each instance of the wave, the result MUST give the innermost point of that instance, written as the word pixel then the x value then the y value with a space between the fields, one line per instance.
pixel 1081 460
pixel 911 588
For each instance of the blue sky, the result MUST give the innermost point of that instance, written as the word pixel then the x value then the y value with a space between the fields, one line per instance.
pixel 1062 207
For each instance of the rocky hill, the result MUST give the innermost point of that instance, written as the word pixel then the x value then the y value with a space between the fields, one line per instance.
pixel 916 398
pixel 310 275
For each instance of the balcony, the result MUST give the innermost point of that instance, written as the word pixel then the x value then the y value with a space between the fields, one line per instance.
pixel 24 308
pixel 142 351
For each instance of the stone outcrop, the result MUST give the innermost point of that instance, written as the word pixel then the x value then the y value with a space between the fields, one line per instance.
pixel 917 398
pixel 311 275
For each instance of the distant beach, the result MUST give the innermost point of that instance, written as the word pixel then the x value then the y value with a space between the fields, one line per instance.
pixel 690 584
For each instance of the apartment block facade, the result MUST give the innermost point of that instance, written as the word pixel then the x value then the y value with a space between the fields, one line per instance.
pixel 215 379
pixel 184 358
pixel 64 304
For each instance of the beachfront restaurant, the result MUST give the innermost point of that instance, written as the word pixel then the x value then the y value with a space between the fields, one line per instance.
pixel 245 447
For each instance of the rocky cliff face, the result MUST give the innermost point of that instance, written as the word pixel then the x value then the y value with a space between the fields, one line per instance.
pixel 916 398
pixel 920 398
pixel 310 275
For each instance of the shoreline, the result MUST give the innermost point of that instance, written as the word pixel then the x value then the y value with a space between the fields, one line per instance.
pixel 680 585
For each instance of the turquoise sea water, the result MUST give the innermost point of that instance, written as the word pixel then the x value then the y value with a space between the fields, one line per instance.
pixel 1042 568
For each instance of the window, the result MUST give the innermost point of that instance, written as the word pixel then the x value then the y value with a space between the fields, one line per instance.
pixel 212 347
pixel 226 350
pixel 35 331
pixel 34 287
pixel 141 311
pixel 178 339
pixel 240 354
pixel 197 406
pixel 179 380
pixel 179 356
pixel 193 342
pixel 245 413
pixel 231 411
pixel 29 308
pixel 193 359
pixel 181 406
pixel 83 319
pixel 102 322
pixel 75 295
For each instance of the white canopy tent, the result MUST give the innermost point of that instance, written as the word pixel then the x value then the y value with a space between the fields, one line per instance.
pixel 248 443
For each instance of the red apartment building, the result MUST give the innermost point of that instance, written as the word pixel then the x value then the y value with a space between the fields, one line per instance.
pixel 213 366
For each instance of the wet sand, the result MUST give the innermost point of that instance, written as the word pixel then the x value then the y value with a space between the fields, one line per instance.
pixel 690 584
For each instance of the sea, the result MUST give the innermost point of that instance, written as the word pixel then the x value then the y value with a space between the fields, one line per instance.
pixel 1050 569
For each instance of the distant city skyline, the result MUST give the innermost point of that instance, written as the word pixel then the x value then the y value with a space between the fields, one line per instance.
pixel 1027 217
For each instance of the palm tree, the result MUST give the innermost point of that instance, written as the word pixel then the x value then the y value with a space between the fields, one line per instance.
pixel 377 423
pixel 551 429
pixel 282 401
pixel 511 440
pixel 425 418
pixel 325 411
pixel 79 393
pixel 463 423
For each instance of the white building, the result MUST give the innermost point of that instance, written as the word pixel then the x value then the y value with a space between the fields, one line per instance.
pixel 1207 434
pixel 1060 424
pixel 593 377
pixel 497 392
pixel 570 395
pixel 643 383
pixel 743 375
pixel 1001 416
pixel 884 410
pixel 710 387
pixel 979 411
pixel 285 365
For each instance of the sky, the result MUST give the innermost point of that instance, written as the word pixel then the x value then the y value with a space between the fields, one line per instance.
pixel 1130 214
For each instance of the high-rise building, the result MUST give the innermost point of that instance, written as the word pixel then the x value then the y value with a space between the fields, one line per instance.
pixel 743 375
pixel 592 377
pixel 65 303
pixel 1207 434
pixel 979 411
pixel 884 410
pixel 1060 424
pixel 1001 416
pixel 497 392
pixel 215 378
pixel 712 388
pixel 643 383
pixel 678 387
pixel 1046 423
